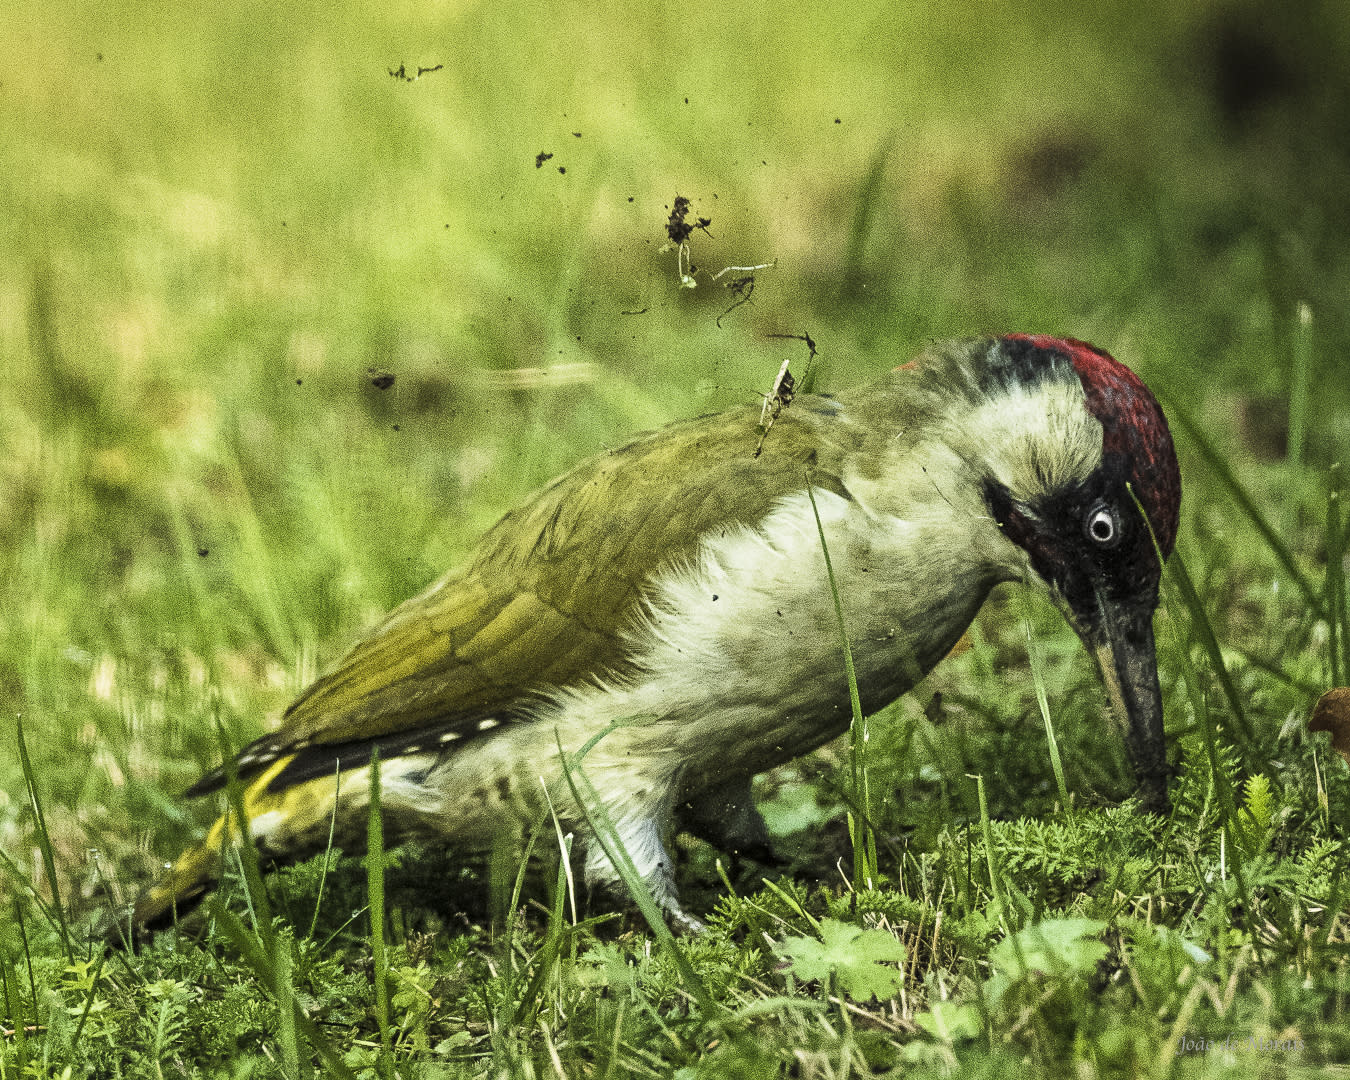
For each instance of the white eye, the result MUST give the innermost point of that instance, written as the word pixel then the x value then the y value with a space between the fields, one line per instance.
pixel 1101 526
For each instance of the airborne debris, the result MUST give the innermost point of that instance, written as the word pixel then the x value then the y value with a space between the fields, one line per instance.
pixel 781 394
pixel 776 400
pixel 784 389
pixel 741 287
pixel 403 74
pixel 811 354
pixel 678 230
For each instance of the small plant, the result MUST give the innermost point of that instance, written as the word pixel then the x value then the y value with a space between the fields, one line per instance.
pixel 850 957
pixel 1254 825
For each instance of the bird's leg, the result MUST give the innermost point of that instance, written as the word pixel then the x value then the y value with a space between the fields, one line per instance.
pixel 726 817
pixel 641 835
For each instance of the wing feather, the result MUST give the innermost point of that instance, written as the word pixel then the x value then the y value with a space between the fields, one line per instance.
pixel 550 589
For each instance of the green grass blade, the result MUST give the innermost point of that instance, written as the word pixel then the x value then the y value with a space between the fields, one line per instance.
pixel 871 198
pixel 1199 619
pixel 283 963
pixel 89 999
pixel 1337 556
pixel 1298 391
pixel 509 920
pixel 1245 502
pixel 14 1010
pixel 27 955
pixel 24 883
pixel 506 941
pixel 1334 589
pixel 250 949
pixel 44 840
pixel 375 888
pixel 239 839
pixel 1204 629
pixel 1338 613
pixel 607 836
pixel 564 852
pixel 531 1001
pixel 791 901
pixel 861 833
pixel 1038 680
pixel 1227 800
pixel 327 850
pixel 986 828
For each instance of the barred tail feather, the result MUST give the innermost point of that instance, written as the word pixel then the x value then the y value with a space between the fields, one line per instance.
pixel 198 869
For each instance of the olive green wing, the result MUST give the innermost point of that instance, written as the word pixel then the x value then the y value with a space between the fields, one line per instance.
pixel 549 591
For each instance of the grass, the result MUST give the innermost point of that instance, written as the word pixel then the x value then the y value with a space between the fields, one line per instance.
pixel 224 223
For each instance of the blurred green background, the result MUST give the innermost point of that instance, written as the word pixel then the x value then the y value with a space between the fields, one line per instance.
pixel 220 223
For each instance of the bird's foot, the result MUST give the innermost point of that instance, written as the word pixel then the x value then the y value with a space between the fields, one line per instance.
pixel 683 924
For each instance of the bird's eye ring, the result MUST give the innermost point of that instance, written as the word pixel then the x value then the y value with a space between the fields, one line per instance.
pixel 1102 526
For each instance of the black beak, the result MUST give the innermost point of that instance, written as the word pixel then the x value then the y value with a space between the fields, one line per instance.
pixel 1122 643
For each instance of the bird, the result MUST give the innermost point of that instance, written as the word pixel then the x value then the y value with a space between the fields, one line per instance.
pixel 661 619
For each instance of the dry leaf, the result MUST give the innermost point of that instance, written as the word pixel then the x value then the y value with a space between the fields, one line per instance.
pixel 1332 713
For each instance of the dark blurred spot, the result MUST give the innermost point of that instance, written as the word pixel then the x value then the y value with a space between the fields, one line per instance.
pixel 1251 68
pixel 1048 164
pixel 381 380
pixel 1222 227
pixel 1263 426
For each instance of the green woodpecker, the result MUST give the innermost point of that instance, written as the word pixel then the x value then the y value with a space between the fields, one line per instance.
pixel 666 607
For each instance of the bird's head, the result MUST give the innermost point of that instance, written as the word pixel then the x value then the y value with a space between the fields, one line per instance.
pixel 1081 475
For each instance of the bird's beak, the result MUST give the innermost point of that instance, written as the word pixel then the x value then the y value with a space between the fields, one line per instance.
pixel 1122 643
